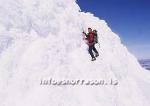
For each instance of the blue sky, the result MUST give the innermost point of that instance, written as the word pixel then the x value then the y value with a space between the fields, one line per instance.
pixel 130 19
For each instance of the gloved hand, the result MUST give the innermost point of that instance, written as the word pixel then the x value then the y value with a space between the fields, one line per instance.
pixel 84 32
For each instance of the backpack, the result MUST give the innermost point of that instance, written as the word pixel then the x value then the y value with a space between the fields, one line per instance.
pixel 95 36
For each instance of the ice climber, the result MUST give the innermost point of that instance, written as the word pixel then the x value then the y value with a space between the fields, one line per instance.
pixel 91 41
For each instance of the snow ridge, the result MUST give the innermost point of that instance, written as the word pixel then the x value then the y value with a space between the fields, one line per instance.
pixel 43 39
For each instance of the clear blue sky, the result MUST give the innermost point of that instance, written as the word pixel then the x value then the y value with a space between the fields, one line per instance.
pixel 130 19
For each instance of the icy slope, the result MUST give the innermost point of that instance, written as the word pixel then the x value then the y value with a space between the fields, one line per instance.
pixel 42 39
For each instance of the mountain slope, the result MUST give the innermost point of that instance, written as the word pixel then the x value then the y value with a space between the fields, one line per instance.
pixel 40 40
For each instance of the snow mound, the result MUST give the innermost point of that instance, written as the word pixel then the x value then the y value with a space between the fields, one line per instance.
pixel 41 40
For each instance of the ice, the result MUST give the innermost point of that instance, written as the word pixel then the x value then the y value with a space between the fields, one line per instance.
pixel 42 39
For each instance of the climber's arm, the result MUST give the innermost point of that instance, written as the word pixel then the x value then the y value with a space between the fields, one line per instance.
pixel 84 33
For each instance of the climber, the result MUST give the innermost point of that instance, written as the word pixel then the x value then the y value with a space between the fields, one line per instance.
pixel 91 44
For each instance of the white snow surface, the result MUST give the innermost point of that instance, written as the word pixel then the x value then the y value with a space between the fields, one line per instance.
pixel 42 39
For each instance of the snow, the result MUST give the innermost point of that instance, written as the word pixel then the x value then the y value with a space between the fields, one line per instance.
pixel 40 40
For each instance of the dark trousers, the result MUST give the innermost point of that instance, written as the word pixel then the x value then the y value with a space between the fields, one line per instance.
pixel 92 47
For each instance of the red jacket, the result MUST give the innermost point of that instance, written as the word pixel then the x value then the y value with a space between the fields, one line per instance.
pixel 90 38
